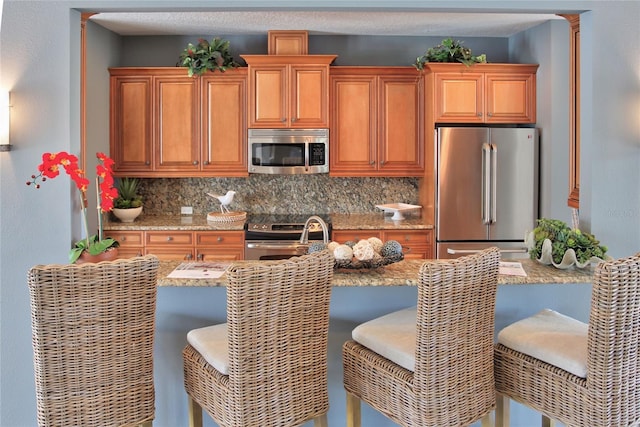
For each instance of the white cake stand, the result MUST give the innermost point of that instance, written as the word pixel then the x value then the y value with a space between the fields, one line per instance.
pixel 398 209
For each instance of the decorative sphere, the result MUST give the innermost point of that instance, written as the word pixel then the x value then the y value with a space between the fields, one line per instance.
pixel 375 243
pixel 363 251
pixel 316 247
pixel 391 248
pixel 343 252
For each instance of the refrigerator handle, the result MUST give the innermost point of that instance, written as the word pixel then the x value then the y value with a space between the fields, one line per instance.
pixel 494 183
pixel 486 183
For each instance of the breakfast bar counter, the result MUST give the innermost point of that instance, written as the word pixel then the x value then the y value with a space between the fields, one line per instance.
pixel 403 273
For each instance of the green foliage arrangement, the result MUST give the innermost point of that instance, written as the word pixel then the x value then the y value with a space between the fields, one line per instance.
pixel 206 55
pixel 562 238
pixel 449 51
pixel 128 196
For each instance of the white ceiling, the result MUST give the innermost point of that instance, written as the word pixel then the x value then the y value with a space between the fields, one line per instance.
pixel 385 23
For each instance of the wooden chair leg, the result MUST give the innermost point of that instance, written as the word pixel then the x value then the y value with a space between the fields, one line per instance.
pixel 195 413
pixel 548 422
pixel 320 421
pixel 487 421
pixel 502 410
pixel 353 410
pixel 147 424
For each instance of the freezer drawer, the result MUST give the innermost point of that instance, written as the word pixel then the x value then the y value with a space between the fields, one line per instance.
pixel 508 250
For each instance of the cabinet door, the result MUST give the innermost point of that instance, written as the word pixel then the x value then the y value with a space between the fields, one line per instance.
pixel 458 97
pixel 130 123
pixel 510 98
pixel 400 118
pixel 224 134
pixel 268 96
pixel 353 126
pixel 309 104
pixel 177 144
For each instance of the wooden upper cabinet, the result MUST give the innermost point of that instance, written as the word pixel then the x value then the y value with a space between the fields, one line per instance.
pixel 288 91
pixel 130 125
pixel 224 124
pixel 483 93
pixel 167 124
pixel 376 122
pixel 177 130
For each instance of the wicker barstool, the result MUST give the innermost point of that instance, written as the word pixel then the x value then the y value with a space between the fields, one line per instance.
pixel 579 374
pixel 267 366
pixel 431 365
pixel 92 331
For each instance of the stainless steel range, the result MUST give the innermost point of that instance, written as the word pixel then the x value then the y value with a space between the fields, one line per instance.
pixel 271 237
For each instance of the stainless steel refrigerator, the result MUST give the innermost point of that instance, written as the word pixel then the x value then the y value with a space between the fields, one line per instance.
pixel 486 189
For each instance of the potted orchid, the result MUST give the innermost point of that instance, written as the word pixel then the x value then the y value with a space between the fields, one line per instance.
pixel 93 245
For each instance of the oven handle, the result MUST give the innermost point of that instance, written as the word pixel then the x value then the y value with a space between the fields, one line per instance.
pixel 296 246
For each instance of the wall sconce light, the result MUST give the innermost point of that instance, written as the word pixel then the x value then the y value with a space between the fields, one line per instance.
pixel 5 107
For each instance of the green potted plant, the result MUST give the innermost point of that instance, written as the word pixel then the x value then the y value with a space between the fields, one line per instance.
pixel 128 205
pixel 449 51
pixel 207 55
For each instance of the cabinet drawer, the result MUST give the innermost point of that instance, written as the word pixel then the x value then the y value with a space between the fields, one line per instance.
pixel 407 237
pixel 169 238
pixel 342 236
pixel 127 238
pixel 220 238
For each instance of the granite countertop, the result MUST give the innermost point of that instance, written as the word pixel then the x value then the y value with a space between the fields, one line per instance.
pixel 364 221
pixel 403 273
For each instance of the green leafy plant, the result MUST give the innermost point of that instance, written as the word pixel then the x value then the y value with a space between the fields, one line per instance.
pixel 562 238
pixel 449 51
pixel 128 196
pixel 207 55
pixel 93 245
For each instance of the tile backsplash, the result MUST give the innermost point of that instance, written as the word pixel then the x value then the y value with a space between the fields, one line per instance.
pixel 277 194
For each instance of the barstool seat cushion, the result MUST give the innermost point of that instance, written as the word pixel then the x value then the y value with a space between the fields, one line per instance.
pixel 212 343
pixel 551 337
pixel 392 336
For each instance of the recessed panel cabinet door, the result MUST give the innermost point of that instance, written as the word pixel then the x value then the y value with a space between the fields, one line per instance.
pixel 177 123
pixel 131 138
pixel 309 100
pixel 353 132
pixel 268 96
pixel 224 123
pixel 400 137
pixel 511 98
pixel 459 97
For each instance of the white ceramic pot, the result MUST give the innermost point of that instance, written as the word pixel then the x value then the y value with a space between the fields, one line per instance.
pixel 127 215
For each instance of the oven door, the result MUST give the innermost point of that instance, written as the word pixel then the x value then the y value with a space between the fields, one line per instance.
pixel 273 249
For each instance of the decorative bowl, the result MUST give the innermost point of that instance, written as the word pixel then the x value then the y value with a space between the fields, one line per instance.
pixel 355 264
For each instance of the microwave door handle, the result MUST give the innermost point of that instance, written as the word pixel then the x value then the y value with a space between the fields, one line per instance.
pixel 486 182
pixel 494 183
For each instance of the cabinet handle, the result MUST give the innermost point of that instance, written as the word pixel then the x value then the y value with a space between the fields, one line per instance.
pixel 220 239
pixel 188 256
pixel 123 238
pixel 479 114
pixel 489 114
pixel 195 162
pixel 284 119
pixel 206 162
pixel 372 162
pixel 293 119
pixel 381 162
pixel 139 253
pixel 169 238
pixel 147 163
pixel 200 257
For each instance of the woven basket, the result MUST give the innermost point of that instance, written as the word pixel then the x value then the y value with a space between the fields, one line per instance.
pixel 355 264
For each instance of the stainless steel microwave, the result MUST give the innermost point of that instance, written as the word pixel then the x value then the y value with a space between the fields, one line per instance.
pixel 288 151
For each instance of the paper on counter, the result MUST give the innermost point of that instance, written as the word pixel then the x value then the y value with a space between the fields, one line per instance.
pixel 199 270
pixel 511 269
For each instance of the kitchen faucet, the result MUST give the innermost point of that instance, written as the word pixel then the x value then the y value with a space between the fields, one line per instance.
pixel 304 237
